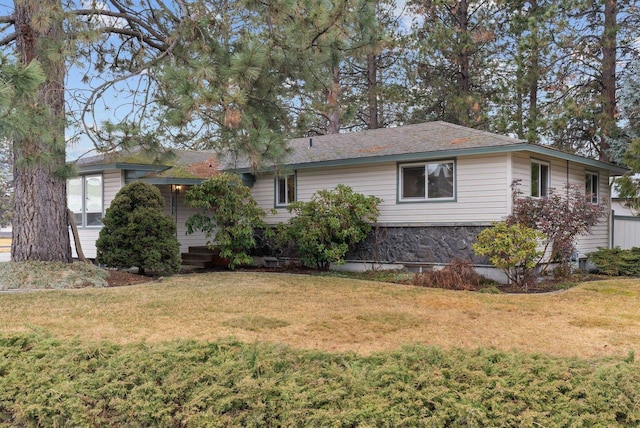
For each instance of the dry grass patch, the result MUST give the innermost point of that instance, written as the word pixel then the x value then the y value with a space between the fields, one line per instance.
pixel 331 314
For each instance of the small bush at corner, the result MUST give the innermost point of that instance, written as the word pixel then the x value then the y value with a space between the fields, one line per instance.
pixel 512 248
pixel 616 261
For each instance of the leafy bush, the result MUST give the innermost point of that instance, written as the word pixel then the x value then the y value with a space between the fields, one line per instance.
pixel 48 382
pixel 617 262
pixel 230 218
pixel 324 228
pixel 512 248
pixel 137 233
pixel 458 275
pixel 560 216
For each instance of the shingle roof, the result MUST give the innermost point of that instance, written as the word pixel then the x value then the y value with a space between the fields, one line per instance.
pixel 430 140
pixel 430 137
pixel 182 164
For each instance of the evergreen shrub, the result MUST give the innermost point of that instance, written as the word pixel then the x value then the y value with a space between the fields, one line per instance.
pixel 137 233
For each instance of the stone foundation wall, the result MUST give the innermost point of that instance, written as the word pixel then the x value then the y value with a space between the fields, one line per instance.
pixel 419 244
pixel 423 244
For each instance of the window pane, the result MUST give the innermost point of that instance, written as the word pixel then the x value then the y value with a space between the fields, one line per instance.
pixel 291 189
pixel 591 187
pixel 282 191
pixel 413 182
pixel 93 200
pixel 535 180
pixel 74 197
pixel 544 180
pixel 440 180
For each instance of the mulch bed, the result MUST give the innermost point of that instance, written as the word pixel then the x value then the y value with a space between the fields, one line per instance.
pixel 119 278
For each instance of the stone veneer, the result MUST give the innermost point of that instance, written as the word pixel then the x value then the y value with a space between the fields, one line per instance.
pixel 418 244
pixel 407 244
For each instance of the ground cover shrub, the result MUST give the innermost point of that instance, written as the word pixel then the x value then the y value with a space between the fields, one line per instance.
pixel 137 233
pixel 616 261
pixel 48 382
pixel 326 227
pixel 50 275
pixel 230 219
pixel 457 275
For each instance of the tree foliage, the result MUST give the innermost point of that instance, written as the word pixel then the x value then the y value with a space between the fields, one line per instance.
pixel 560 216
pixel 512 248
pixel 230 219
pixel 137 233
pixel 324 228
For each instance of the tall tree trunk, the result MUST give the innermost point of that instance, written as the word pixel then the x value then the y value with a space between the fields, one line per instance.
pixel 40 208
pixel 534 78
pixel 333 104
pixel 608 93
pixel 372 91
pixel 464 73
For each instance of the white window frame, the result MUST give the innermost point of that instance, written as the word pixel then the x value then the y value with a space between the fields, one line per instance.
pixel 290 180
pixel 425 165
pixel 541 192
pixel 593 178
pixel 81 216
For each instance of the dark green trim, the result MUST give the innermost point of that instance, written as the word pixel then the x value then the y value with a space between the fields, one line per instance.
pixel 168 180
pixel 122 166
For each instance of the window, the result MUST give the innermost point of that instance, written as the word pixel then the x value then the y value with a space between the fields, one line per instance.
pixel 84 198
pixel 285 190
pixel 591 186
pixel 539 179
pixel 427 181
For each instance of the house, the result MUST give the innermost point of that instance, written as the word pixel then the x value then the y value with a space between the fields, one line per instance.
pixel 440 184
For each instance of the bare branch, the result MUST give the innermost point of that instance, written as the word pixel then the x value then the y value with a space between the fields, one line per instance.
pixel 10 38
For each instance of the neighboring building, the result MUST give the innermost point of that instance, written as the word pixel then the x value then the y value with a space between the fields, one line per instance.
pixel 440 185
pixel 625 223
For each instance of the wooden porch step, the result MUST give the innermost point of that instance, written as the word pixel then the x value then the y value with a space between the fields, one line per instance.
pixel 203 258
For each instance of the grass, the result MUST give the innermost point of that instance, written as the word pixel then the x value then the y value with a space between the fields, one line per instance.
pixel 594 319
pixel 249 349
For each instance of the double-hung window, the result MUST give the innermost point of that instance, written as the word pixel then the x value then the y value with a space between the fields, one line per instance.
pixel 427 181
pixel 285 190
pixel 591 186
pixel 539 179
pixel 84 198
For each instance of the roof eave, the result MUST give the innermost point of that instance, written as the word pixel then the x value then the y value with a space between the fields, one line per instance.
pixel 442 154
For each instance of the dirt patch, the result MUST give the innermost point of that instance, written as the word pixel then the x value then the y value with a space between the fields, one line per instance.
pixel 119 278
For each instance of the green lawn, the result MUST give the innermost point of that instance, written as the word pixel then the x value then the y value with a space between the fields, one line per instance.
pixel 239 349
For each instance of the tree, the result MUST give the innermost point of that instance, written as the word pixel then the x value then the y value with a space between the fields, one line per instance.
pixel 455 46
pixel 230 219
pixel 137 233
pixel 18 89
pixel 324 228
pixel 45 33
